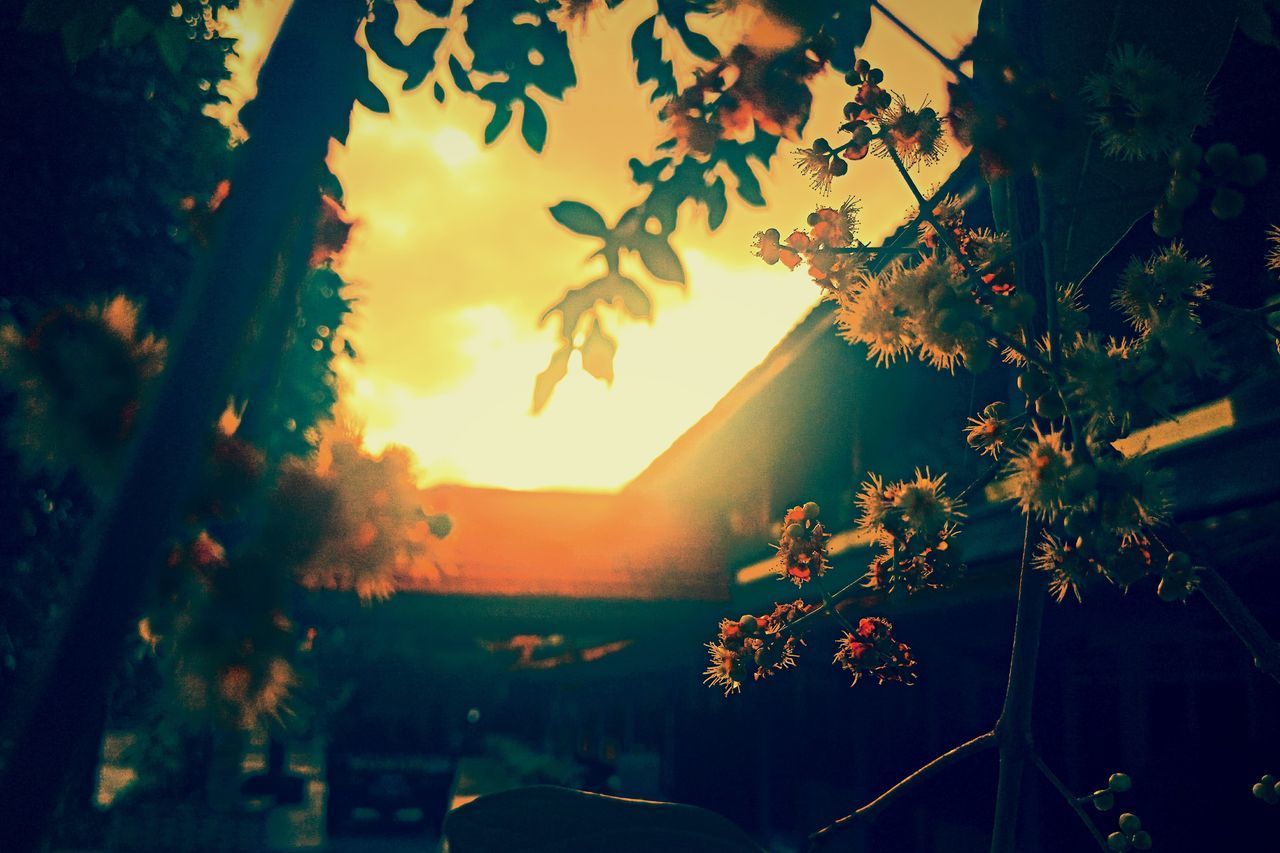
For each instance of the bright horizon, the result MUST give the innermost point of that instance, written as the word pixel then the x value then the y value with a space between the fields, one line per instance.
pixel 456 257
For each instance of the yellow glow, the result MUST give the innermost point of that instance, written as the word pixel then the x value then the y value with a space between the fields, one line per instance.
pixel 455 257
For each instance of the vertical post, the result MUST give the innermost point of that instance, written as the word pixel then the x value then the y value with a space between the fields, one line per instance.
pixel 306 95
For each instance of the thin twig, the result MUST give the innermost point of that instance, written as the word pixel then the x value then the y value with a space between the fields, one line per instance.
pixel 1265 650
pixel 946 61
pixel 1072 800
pixel 979 744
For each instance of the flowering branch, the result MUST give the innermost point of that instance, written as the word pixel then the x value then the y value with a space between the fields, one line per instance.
pixel 981 743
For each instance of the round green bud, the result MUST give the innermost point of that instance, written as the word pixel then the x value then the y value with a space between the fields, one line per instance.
pixel 1186 157
pixel 810 510
pixel 839 167
pixel 1049 406
pixel 1119 782
pixel 794 531
pixel 862 66
pixel 1182 192
pixel 1141 840
pixel 1228 203
pixel 748 624
pixel 1103 801
pixel 876 76
pixel 1118 841
pixel 1171 589
pixel 1268 779
pixel 1221 157
pixel 1033 383
pixel 821 145
pixel 1178 563
pixel 1259 789
pixel 1249 170
pixel 1129 823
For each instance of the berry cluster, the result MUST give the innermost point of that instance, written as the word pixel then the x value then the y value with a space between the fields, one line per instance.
pixel 1130 835
pixel 1267 789
pixel 1227 174
pixel 871 651
pixel 802 548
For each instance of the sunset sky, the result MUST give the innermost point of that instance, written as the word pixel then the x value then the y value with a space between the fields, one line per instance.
pixel 455 258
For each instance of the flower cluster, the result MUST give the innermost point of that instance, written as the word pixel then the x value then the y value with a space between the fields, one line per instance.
pixel 753 647
pixel 914 521
pixel 871 651
pixel 743 90
pixel 927 308
pixel 802 548
pixel 824 247
pixel 915 136
pixel 1142 107
pixel 80 375
pixel 1163 290
pixel 989 432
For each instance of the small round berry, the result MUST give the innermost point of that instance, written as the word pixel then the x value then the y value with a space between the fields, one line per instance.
pixel 862 66
pixel 876 76
pixel 1268 779
pixel 1249 170
pixel 1259 789
pixel 1221 157
pixel 1032 383
pixel 839 167
pixel 1118 841
pixel 1103 801
pixel 1186 157
pixel 811 510
pixel 1129 823
pixel 821 145
pixel 1228 203
pixel 1119 782
pixel 1182 192
pixel 1049 406
pixel 852 109
pixel 1172 589
pixel 1141 840
pixel 853 78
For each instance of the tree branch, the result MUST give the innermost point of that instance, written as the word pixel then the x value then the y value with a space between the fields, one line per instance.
pixel 1072 800
pixel 981 743
pixel 1265 650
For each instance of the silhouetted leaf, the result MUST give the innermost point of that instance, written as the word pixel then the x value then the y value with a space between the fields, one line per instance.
pixel 421 56
pixel 598 349
pixel 497 124
pixel 698 44
pixel 633 298
pixel 642 173
pixel 646 50
pixel 717 206
pixel 439 8
pixel 548 379
pixel 130 28
pixel 172 43
pixel 748 185
pixel 438 92
pixel 580 219
pixel 372 98
pixel 534 125
pixel 504 34
pixel 545 818
pixel 659 258
pixel 460 77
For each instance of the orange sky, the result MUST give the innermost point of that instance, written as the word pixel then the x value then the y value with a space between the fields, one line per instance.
pixel 456 257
